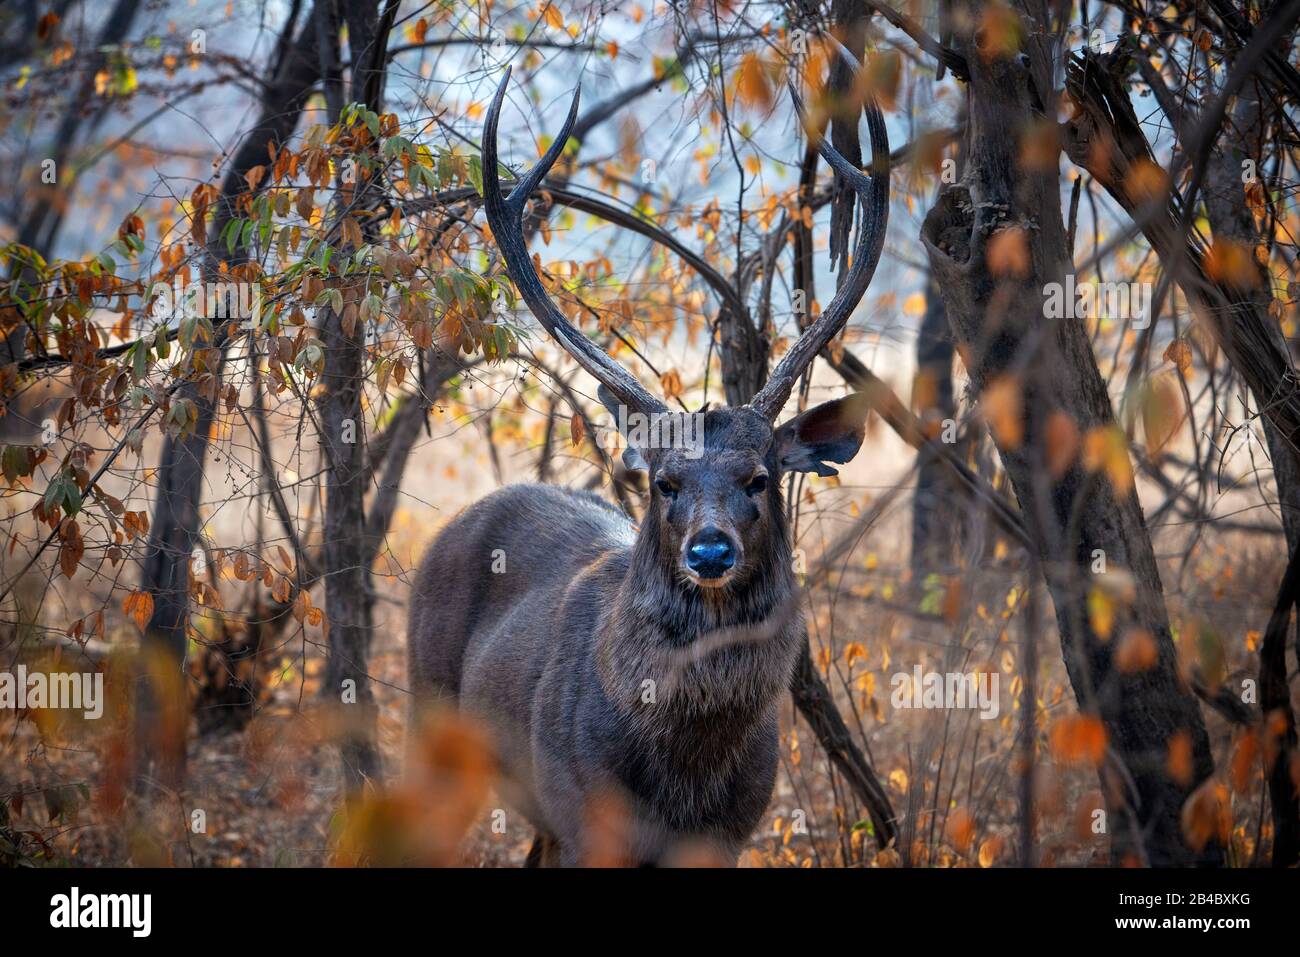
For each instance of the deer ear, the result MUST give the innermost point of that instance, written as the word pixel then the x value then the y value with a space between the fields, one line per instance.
pixel 831 432
pixel 632 459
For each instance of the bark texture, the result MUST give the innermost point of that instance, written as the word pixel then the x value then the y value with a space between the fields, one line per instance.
pixel 1106 139
pixel 347 555
pixel 935 531
pixel 162 713
pixel 994 240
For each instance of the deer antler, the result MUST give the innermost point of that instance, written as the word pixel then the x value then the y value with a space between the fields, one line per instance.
pixel 505 216
pixel 873 193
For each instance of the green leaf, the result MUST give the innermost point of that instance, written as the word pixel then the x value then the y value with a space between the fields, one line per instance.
pixel 310 357
pixel 17 462
pixel 476 173
pixel 231 234
pixel 63 492
pixel 71 497
pixel 139 360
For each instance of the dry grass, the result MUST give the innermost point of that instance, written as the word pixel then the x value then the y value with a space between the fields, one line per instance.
pixel 271 795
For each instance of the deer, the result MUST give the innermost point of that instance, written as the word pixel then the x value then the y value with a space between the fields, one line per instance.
pixel 640 664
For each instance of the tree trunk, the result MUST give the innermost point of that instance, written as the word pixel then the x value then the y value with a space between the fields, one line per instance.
pixel 934 530
pixel 161 709
pixel 1231 217
pixel 994 240
pixel 348 584
pixel 1237 317
pixel 349 590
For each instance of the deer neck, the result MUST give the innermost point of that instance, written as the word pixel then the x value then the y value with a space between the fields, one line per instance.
pixel 669 651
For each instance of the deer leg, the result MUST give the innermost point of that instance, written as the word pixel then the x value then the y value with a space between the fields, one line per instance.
pixel 545 851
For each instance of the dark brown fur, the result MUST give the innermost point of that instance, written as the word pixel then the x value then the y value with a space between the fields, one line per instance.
pixel 643 666
pixel 555 651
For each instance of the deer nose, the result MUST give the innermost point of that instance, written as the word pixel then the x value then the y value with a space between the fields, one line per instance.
pixel 710 554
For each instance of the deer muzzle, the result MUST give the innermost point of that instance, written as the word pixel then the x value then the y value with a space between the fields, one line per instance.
pixel 711 555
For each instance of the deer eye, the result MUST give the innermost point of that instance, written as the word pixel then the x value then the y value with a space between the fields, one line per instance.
pixel 757 485
pixel 666 490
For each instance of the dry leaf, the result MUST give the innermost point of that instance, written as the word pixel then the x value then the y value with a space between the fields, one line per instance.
pixel 1207 815
pixel 139 605
pixel 1231 264
pixel 1008 253
pixel 1105 448
pixel 1137 651
pixel 1078 740
pixel 752 86
pixel 1180 764
pixel 1062 440
pixel 1004 409
pixel 1180 354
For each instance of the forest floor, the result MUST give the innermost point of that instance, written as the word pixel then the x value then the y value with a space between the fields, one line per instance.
pixel 270 795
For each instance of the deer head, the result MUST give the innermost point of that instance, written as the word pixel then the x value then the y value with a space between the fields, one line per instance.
pixel 716 505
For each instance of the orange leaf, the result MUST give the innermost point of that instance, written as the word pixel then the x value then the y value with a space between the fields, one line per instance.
pixel 1101 612
pixel 551 15
pixel 1137 651
pixel 1078 739
pixel 751 83
pixel 1105 448
pixel 1004 409
pixel 1162 411
pixel 1001 33
pixel 1232 264
pixel 70 555
pixel 961 829
pixel 1180 758
pixel 1180 354
pixel 1207 814
pixel 139 605
pixel 45 26
pixel 990 850
pixel 1145 181
pixel 1008 253
pixel 1062 438
pixel 1243 761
